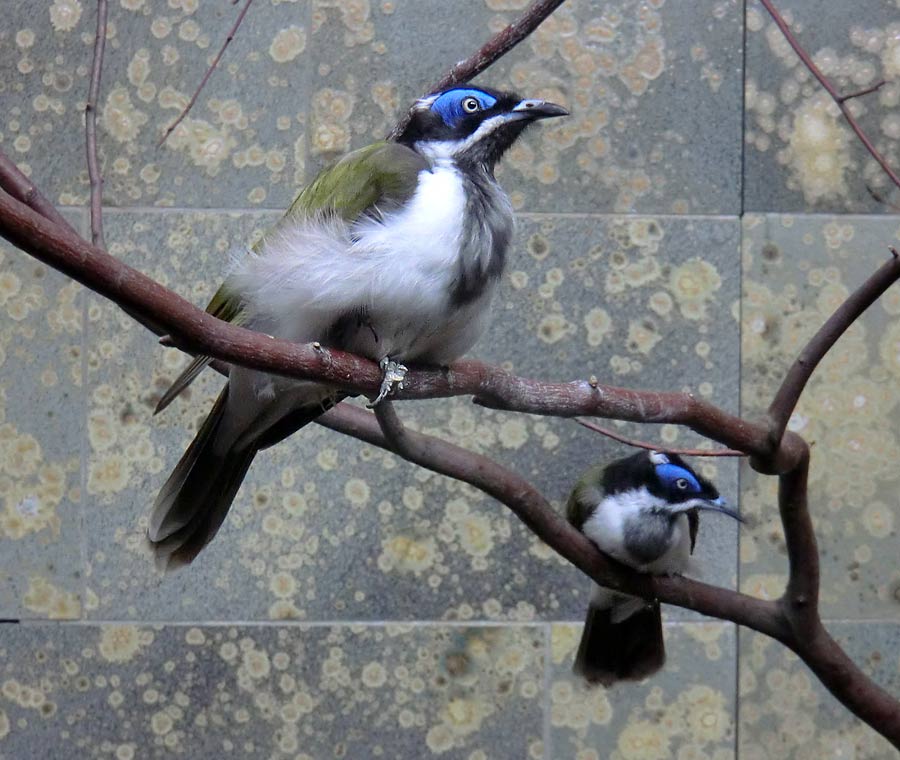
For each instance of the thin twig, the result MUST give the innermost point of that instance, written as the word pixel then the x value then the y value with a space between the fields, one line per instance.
pixel 832 90
pixel 489 53
pixel 847 313
pixel 879 198
pixel 867 91
pixel 207 75
pixel 591 425
pixel 90 128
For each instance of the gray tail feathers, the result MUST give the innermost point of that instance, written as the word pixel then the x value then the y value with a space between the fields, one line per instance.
pixel 620 650
pixel 194 501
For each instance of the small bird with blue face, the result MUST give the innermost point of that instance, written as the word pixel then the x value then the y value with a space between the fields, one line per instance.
pixel 643 511
pixel 393 253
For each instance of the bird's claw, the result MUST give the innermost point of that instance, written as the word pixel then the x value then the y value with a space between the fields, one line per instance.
pixel 393 375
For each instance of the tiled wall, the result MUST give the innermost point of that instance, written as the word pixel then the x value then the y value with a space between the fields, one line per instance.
pixel 687 228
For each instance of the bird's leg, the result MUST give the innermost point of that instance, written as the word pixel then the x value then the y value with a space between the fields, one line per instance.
pixel 393 375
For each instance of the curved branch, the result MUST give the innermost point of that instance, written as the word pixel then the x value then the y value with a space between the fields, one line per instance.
pixel 849 685
pixel 198 332
pixel 841 100
pixel 847 313
pixel 489 53
pixel 801 597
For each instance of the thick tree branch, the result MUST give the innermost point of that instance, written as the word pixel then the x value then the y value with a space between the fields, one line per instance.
pixel 801 597
pixel 840 100
pixel 212 67
pixel 492 51
pixel 850 685
pixel 90 128
pixel 198 332
pixel 848 312
pixel 591 425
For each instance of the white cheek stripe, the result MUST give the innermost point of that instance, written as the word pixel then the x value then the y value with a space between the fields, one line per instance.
pixel 448 148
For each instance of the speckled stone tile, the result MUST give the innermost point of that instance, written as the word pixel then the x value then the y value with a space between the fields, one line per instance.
pixel 654 91
pixel 249 124
pixel 271 692
pixel 686 710
pixel 347 70
pixel 786 714
pixel 130 452
pixel 801 154
pixel 329 529
pixel 797 270
pixel 41 422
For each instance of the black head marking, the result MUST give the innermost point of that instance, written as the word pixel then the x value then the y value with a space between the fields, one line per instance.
pixel 478 122
pixel 666 476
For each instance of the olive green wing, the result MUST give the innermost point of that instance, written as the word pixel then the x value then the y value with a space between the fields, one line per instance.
pixel 367 181
pixel 370 180
pixel 586 495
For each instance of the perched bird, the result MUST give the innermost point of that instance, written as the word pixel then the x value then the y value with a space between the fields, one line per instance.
pixel 642 510
pixel 393 253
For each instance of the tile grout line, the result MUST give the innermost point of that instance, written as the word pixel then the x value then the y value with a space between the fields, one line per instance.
pixel 266 210
pixel 83 443
pixel 88 622
pixel 740 213
pixel 536 624
pixel 546 701
pixel 743 197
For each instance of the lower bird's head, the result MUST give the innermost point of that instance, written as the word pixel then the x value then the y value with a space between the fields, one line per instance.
pixel 472 125
pixel 670 484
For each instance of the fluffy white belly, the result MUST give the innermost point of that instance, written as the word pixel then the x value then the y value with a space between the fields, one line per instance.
pixel 392 279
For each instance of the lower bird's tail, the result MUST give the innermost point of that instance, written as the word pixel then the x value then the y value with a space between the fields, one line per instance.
pixel 194 501
pixel 621 642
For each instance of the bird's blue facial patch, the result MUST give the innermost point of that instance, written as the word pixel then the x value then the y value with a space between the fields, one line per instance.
pixel 454 105
pixel 677 479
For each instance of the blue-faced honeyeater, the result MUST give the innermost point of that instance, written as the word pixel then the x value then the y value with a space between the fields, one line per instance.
pixel 642 510
pixel 393 253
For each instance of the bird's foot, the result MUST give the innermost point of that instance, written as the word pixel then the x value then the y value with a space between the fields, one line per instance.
pixel 393 375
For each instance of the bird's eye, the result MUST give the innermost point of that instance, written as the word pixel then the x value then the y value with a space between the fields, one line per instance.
pixel 470 105
pixel 681 484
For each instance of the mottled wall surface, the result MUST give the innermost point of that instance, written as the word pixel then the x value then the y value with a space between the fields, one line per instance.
pixel 687 228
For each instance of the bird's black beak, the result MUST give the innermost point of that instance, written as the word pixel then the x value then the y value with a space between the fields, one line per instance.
pixel 720 505
pixel 538 109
